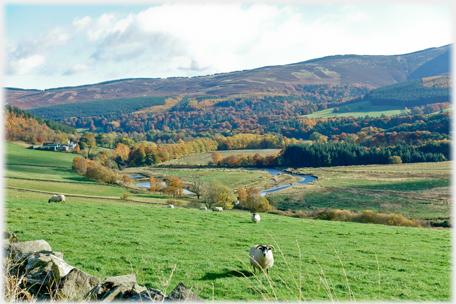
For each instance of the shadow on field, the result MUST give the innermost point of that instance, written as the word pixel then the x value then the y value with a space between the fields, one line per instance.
pixel 230 273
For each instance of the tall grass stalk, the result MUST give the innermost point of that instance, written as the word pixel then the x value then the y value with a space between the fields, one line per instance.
pixel 12 282
pixel 350 292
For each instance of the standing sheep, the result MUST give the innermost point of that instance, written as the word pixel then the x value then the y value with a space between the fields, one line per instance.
pixel 217 209
pixel 261 257
pixel 255 218
pixel 57 198
pixel 203 208
pixel 170 206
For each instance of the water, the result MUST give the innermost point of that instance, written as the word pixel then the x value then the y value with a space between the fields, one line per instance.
pixel 136 176
pixel 147 185
pixel 305 180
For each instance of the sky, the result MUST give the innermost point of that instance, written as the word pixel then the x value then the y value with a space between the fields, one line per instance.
pixel 50 45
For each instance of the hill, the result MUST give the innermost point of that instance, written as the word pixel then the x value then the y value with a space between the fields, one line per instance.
pixel 370 71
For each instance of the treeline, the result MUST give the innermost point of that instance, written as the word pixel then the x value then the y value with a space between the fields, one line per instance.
pixel 304 127
pixel 29 130
pixel 146 154
pixel 410 93
pixel 253 141
pixel 338 154
pixel 342 154
pixel 50 123
pixel 244 113
pixel 94 171
pixel 99 108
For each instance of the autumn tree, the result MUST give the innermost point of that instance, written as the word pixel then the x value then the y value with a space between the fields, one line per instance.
pixel 155 185
pixel 174 186
pixel 257 203
pixel 80 165
pixel 126 180
pixel 87 141
pixel 197 187
pixel 218 194
pixel 216 157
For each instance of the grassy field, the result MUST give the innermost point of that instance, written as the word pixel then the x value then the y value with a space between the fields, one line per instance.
pixel 104 235
pixel 232 178
pixel 210 250
pixel 419 190
pixel 205 157
pixel 359 109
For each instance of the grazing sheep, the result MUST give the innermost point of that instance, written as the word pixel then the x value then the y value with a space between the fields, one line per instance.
pixel 203 208
pixel 261 257
pixel 57 198
pixel 218 209
pixel 255 218
pixel 170 206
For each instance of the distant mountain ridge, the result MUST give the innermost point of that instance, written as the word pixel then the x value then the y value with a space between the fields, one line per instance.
pixel 372 71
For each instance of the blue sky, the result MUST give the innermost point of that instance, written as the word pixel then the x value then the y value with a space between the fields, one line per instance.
pixel 50 45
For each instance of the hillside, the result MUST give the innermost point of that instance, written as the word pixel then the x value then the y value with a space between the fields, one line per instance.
pixel 370 71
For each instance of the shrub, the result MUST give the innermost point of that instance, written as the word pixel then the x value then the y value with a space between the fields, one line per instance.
pixel 194 204
pixel 395 160
pixel 125 196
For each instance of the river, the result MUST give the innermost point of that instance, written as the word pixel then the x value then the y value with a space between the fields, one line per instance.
pixel 305 180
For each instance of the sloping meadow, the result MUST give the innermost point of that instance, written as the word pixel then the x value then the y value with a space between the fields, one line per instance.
pixel 208 251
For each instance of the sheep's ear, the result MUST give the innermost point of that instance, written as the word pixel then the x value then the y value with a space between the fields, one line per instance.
pixel 270 246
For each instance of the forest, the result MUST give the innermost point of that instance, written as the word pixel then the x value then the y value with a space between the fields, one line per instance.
pixel 100 108
pixel 413 93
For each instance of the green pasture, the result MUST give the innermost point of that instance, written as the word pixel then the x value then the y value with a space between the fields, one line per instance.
pixel 420 190
pixel 358 109
pixel 49 173
pixel 347 199
pixel 19 155
pixel 202 159
pixel 209 251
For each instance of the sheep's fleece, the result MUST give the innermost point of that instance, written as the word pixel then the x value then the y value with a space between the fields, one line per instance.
pixel 261 257
pixel 57 198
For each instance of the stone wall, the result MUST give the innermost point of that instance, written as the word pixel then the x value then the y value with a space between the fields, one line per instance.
pixel 46 276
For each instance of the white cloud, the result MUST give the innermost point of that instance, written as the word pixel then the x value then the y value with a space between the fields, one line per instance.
pixel 356 17
pixel 187 39
pixel 25 65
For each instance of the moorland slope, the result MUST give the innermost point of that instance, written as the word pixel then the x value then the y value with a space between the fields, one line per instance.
pixel 367 70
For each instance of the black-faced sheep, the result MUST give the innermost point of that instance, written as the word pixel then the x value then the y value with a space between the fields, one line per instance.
pixel 57 198
pixel 217 209
pixel 261 257
pixel 255 218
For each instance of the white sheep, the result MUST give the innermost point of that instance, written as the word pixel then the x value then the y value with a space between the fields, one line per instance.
pixel 261 257
pixel 218 209
pixel 57 198
pixel 170 206
pixel 255 218
pixel 203 208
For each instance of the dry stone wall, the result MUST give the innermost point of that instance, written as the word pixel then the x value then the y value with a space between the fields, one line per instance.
pixel 45 275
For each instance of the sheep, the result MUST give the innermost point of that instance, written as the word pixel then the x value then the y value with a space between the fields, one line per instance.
pixel 218 209
pixel 203 208
pixel 261 257
pixel 170 206
pixel 57 198
pixel 255 218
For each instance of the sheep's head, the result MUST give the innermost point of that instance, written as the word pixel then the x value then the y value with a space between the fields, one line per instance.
pixel 264 249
